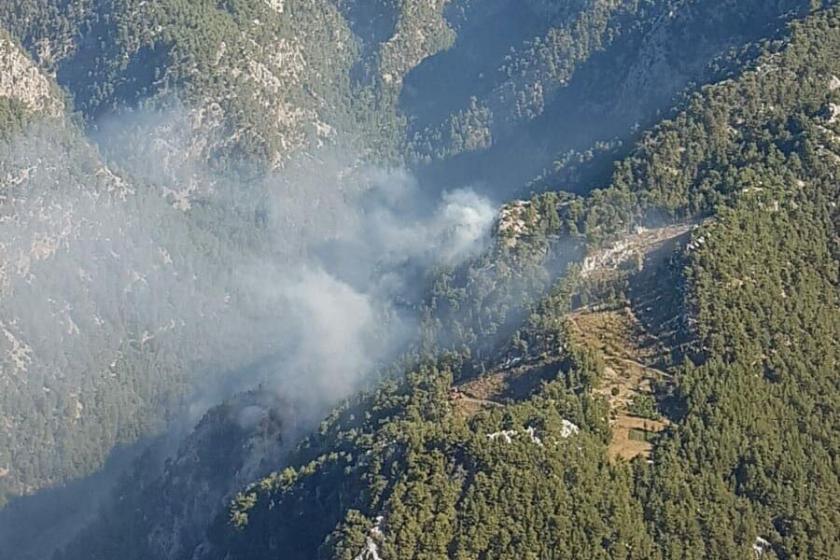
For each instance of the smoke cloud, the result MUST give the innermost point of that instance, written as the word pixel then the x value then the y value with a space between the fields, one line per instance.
pixel 140 286
pixel 141 268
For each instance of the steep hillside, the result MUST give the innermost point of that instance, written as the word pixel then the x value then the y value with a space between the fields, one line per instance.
pixel 23 84
pixel 760 297
pixel 491 92
pixel 719 329
pixel 260 80
pixel 234 443
pixel 76 246
pixel 556 94
pixel 221 220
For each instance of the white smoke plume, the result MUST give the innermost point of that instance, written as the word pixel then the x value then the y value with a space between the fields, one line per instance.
pixel 146 268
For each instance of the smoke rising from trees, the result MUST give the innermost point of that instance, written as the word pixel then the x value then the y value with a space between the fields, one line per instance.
pixel 156 261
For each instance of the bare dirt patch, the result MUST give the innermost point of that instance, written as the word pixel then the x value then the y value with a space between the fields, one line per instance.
pixel 630 354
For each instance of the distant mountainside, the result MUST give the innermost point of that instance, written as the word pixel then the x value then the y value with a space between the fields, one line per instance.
pixel 200 198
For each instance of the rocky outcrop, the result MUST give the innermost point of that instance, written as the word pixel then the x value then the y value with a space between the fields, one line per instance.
pixel 22 81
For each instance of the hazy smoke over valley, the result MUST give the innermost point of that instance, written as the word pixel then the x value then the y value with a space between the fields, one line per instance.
pixel 381 280
pixel 304 263
pixel 144 272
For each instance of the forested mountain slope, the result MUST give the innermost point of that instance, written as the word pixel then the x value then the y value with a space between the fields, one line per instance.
pixel 172 92
pixel 642 362
pixel 750 460
pixel 570 83
pixel 504 450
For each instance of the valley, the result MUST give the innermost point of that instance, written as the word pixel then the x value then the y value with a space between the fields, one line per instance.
pixel 404 280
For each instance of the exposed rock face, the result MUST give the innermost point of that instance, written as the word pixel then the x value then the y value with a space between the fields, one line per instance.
pixel 371 549
pixel 23 81
pixel 276 5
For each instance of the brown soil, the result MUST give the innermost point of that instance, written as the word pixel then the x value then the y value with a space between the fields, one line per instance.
pixel 629 354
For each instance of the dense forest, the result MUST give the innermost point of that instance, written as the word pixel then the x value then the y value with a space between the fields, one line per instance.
pixel 641 362
pixel 749 460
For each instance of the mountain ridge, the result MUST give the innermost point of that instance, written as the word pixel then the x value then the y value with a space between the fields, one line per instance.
pixel 496 431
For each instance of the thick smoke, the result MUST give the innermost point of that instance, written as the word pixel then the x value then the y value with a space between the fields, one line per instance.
pixel 156 264
pixel 339 254
pixel 136 272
